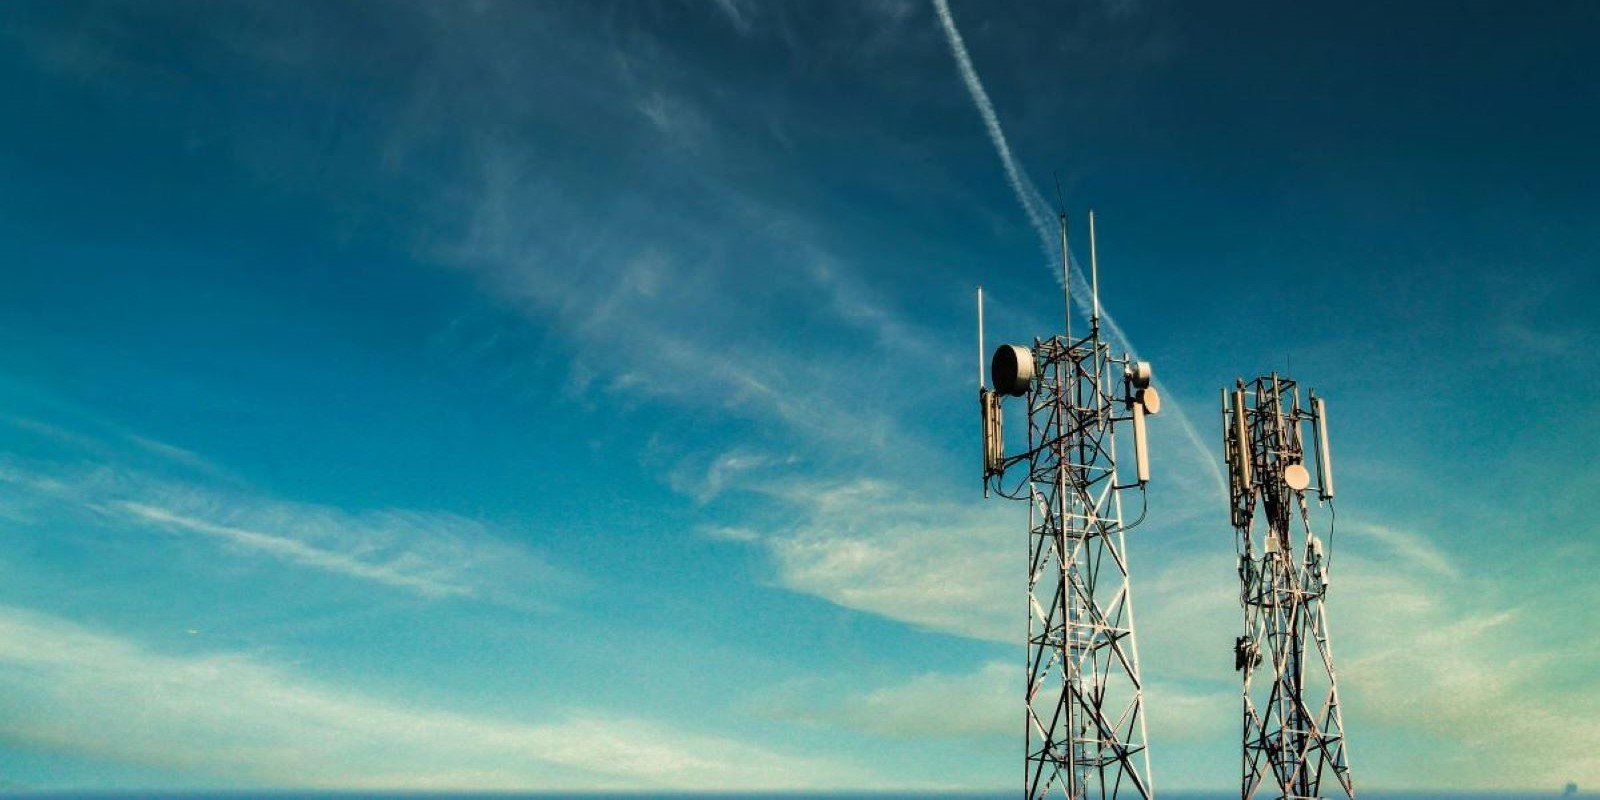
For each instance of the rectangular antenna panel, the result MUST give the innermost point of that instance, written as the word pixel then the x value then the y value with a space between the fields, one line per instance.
pixel 1141 450
pixel 1229 452
pixel 993 439
pixel 1324 462
pixel 1241 441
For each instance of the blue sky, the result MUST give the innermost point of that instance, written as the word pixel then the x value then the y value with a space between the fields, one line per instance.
pixel 580 395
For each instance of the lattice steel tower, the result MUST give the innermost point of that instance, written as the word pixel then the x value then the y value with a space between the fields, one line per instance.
pixel 1293 730
pixel 1085 724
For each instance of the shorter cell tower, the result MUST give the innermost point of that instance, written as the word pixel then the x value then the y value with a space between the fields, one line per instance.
pixel 1293 730
pixel 1085 726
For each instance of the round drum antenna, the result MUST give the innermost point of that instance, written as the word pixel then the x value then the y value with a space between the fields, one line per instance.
pixel 1011 369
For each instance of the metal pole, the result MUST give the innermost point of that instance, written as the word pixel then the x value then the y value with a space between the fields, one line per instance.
pixel 1094 276
pixel 1066 278
pixel 980 338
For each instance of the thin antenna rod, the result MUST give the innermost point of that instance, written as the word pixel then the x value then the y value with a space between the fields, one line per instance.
pixel 1066 277
pixel 1094 277
pixel 980 338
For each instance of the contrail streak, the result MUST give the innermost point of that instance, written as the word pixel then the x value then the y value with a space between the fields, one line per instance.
pixel 1027 195
pixel 1034 205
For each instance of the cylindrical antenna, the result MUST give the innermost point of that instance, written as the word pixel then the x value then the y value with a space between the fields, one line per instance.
pixel 1229 453
pixel 1141 450
pixel 1094 277
pixel 980 338
pixel 1241 438
pixel 1066 277
pixel 1324 461
pixel 983 396
pixel 986 406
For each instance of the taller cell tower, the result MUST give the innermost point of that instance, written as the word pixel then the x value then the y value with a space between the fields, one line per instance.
pixel 1085 726
pixel 1293 729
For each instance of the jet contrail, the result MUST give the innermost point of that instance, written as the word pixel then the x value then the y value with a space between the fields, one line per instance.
pixel 1027 195
pixel 1035 206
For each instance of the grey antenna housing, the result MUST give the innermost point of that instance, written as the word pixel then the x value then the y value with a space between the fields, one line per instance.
pixel 1011 370
pixel 1140 374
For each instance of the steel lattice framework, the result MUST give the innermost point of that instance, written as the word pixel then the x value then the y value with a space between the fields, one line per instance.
pixel 1085 723
pixel 1292 727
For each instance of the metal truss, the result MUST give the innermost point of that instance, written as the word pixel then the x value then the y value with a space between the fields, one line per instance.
pixel 1085 727
pixel 1085 715
pixel 1293 731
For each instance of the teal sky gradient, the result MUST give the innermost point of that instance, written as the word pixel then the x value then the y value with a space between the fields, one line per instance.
pixel 579 395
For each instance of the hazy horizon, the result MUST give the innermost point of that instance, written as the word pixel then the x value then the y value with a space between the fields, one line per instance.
pixel 581 394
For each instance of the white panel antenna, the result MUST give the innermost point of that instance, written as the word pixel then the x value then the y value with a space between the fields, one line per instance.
pixel 1319 427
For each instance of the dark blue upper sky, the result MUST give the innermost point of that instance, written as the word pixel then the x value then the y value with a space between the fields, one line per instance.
pixel 460 395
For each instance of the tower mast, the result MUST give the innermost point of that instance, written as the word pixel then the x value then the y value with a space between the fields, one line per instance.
pixel 1085 727
pixel 1292 725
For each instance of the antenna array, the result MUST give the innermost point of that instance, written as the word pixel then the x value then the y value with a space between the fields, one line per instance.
pixel 1085 725
pixel 1085 728
pixel 1293 729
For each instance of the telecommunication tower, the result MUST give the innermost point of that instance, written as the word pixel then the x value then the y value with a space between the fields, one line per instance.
pixel 1085 724
pixel 1293 729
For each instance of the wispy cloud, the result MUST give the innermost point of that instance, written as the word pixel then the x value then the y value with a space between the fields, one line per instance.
pixel 297 551
pixel 938 705
pixel 111 441
pixel 430 554
pixel 1188 612
pixel 247 721
pixel 705 484
pixel 876 547
pixel 681 125
pixel 686 348
pixel 1190 712
pixel 1421 649
pixel 1423 654
pixel 737 13
pixel 729 533
pixel 1411 547
pixel 986 703
pixel 174 453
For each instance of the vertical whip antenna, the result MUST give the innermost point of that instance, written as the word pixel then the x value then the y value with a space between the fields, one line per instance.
pixel 1066 277
pixel 980 338
pixel 1094 276
pixel 989 406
